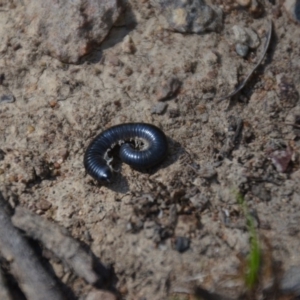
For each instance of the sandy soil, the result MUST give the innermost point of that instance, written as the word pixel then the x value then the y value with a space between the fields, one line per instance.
pixel 136 223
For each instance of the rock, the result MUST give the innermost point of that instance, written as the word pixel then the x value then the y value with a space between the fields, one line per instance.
pixel 66 278
pixel 113 60
pixel 44 205
pixel 63 153
pixel 100 295
pixel 168 88
pixel 159 108
pixel 241 50
pixel 128 45
pixel 293 9
pixel 68 30
pixel 245 36
pixel 6 95
pixel 58 269
pixel 210 58
pixel 290 282
pixel 280 153
pixel 110 238
pixel 243 3
pixel 128 71
pixel 182 244
pixel 281 158
pixel 193 16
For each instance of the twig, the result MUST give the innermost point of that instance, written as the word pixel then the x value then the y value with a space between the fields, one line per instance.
pixel 242 85
pixel 32 278
pixel 56 239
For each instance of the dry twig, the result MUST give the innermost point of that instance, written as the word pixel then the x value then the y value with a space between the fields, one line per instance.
pixel 242 85
pixel 33 279
pixel 56 239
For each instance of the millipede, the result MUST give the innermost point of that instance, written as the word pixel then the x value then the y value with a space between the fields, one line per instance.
pixel 142 145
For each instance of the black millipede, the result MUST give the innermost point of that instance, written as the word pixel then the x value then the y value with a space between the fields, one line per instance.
pixel 142 145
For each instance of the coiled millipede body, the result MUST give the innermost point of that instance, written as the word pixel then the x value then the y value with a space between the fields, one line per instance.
pixel 142 145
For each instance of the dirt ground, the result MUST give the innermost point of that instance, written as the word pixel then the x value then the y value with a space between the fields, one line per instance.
pixel 178 228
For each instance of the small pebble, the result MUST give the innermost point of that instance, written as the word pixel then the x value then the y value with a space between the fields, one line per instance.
pixel 210 58
pixel 6 95
pixel 281 159
pixel 243 3
pixel 191 16
pixel 64 153
pixel 30 129
pixel 53 103
pixel 128 45
pixel 241 50
pixel 113 60
pixel 128 71
pixel 56 165
pixel 58 269
pixel 66 277
pixel 44 205
pixel 182 244
pixel 159 108
pixel 110 238
pixel 168 88
pixel 240 34
pixel 245 36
